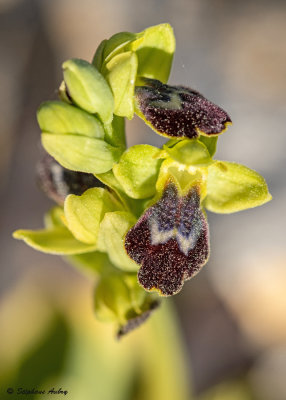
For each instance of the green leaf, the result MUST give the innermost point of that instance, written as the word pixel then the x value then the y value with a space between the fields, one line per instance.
pixel 84 213
pixel 57 240
pixel 63 118
pixel 81 153
pixel 88 88
pixel 210 143
pixel 121 76
pixel 113 228
pixel 190 152
pixel 137 171
pixel 233 187
pixel 155 48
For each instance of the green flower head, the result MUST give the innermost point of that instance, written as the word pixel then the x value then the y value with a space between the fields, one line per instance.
pixel 134 218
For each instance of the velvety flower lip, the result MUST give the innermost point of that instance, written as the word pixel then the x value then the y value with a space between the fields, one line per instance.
pixel 178 111
pixel 170 241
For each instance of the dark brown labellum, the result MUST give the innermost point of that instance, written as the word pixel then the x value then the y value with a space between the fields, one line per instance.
pixel 170 241
pixel 178 111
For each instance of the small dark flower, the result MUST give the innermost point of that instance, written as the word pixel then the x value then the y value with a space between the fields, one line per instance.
pixel 57 182
pixel 178 111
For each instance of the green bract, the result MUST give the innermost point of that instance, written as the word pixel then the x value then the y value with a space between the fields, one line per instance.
pixel 88 89
pixel 84 213
pixel 138 180
pixel 233 187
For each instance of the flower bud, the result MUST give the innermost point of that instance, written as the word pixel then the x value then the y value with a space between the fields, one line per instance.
pixel 119 299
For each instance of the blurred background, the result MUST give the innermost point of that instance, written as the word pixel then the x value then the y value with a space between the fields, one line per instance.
pixel 233 314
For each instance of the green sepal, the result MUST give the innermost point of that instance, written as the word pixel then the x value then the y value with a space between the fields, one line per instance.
pixel 96 262
pixel 115 133
pixel 210 143
pixel 57 240
pixel 121 76
pixel 88 88
pixel 135 206
pixel 84 213
pixel 81 153
pixel 119 299
pixel 155 47
pixel 54 217
pixel 113 228
pixel 137 171
pixel 62 118
pixel 171 142
pixel 117 44
pixel 112 299
pixel 98 57
pixel 190 152
pixel 233 187
pixel 63 94
pixel 110 48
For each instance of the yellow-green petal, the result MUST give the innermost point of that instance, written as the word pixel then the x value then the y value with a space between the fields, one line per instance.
pixel 190 152
pixel 112 299
pixel 116 44
pixel 98 57
pixel 233 187
pixel 81 153
pixel 210 143
pixel 113 228
pixel 84 213
pixel 155 48
pixel 137 171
